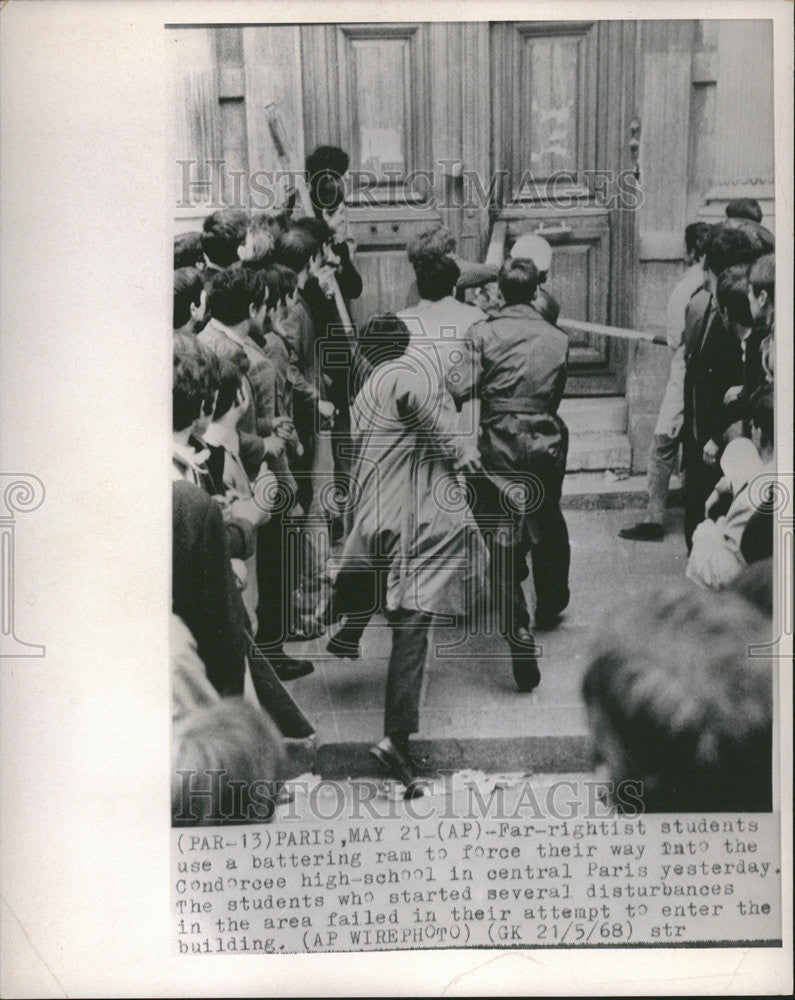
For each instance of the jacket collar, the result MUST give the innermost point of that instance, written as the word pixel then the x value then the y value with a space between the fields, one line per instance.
pixel 520 309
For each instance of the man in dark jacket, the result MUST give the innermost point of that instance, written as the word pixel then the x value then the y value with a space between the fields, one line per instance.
pixel 714 363
pixel 515 363
pixel 205 594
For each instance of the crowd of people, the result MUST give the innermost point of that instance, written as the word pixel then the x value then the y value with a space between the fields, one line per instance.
pixel 412 468
pixel 718 406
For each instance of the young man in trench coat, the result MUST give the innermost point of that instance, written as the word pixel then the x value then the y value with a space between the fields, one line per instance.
pixel 409 551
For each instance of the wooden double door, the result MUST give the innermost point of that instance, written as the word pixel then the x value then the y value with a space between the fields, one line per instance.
pixel 503 127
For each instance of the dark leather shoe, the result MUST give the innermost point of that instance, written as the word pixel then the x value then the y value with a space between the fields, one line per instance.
pixel 400 766
pixel 523 660
pixel 546 622
pixel 526 672
pixel 288 669
pixel 337 646
pixel 646 531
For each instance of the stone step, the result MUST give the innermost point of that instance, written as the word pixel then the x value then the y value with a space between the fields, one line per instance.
pixel 605 491
pixel 606 414
pixel 595 451
pixel 565 752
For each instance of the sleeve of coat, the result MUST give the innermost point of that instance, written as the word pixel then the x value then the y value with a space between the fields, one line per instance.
pixel 348 278
pixel 252 453
pixel 303 390
pixel 696 314
pixel 299 334
pixel 473 274
pixel 224 642
pixel 752 379
pixel 263 384
pixel 204 591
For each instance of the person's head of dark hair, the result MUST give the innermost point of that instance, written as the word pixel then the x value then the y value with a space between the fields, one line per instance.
pixel 436 239
pixel 233 291
pixel 195 381
pixel 230 382
pixel 269 222
pixel 188 250
pixel 732 295
pixel 762 411
pixel 222 234
pixel 695 235
pixel 327 159
pixel 762 240
pixel 238 740
pixel 436 275
pixel 296 247
pixel 280 282
pixel 284 280
pixel 318 228
pixel 744 208
pixel 188 288
pixel 676 704
pixel 326 192
pixel 755 584
pixel 727 245
pixel 762 276
pixel 384 338
pixel 518 281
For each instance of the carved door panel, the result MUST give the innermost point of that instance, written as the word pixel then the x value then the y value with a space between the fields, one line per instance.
pixel 366 90
pixel 561 119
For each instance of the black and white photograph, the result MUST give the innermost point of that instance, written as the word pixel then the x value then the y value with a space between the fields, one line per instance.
pixel 474 449
pixel 462 625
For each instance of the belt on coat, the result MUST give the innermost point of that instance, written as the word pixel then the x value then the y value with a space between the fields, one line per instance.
pixel 518 404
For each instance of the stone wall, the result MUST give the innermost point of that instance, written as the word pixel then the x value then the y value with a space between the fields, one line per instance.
pixel 706 137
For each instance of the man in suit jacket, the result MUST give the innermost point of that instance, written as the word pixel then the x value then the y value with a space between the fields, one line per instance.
pixel 205 594
pixel 714 363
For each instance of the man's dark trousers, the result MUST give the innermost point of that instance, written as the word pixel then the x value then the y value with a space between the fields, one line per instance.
pixel 406 665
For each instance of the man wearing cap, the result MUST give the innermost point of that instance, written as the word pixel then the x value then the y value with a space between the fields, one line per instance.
pixel 515 363
pixel 533 247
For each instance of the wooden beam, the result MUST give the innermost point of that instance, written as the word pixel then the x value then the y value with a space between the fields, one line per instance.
pixel 619 332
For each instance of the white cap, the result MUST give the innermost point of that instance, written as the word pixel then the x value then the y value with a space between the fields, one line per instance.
pixel 535 248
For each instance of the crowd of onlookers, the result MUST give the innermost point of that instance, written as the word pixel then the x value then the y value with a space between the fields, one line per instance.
pixel 680 687
pixel 267 369
pixel 719 401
